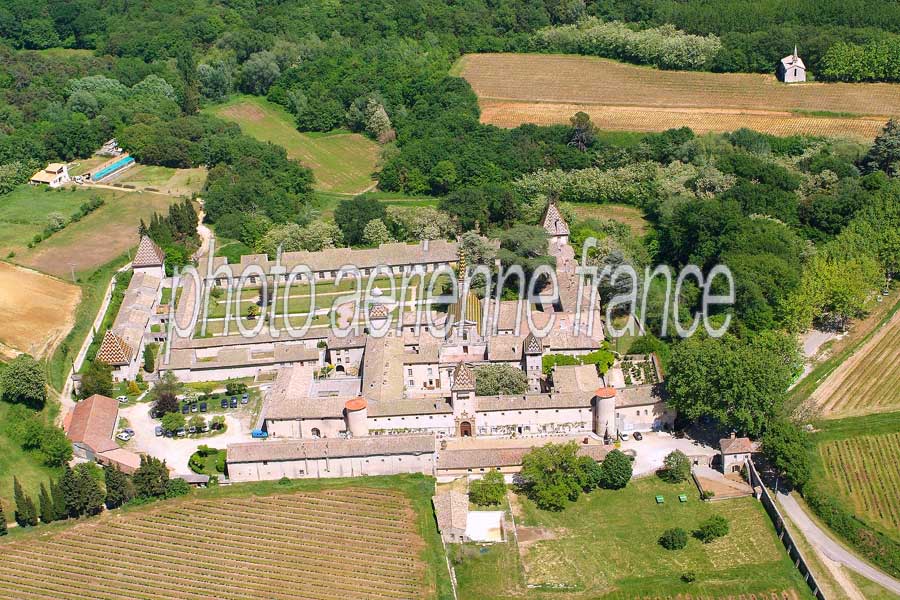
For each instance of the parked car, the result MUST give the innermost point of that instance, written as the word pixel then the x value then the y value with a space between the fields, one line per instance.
pixel 129 431
pixel 234 403
pixel 194 407
pixel 224 403
pixel 245 396
pixel 245 399
pixel 205 428
pixel 192 430
pixel 638 436
pixel 185 409
pixel 203 407
pixel 124 436
pixel 168 433
pixel 158 431
pixel 180 432
pixel 122 399
pixel 259 434
pixel 624 436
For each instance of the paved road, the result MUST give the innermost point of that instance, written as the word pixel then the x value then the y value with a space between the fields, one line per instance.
pixel 832 549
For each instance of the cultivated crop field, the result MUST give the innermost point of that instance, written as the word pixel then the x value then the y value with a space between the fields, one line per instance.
pixel 332 544
pixel 866 471
pixel 38 310
pixel 868 381
pixel 341 162
pixel 544 89
pixel 98 238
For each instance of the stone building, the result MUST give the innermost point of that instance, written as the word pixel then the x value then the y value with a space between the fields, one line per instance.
pixel 735 451
pixel 90 426
pixel 791 69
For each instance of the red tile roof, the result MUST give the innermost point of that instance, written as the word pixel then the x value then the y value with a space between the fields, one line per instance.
pixel 93 423
pixel 736 445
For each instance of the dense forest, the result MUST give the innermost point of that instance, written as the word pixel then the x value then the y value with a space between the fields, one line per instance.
pixel 781 211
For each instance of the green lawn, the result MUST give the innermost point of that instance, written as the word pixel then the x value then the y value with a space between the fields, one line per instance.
pixel 605 545
pixel 15 462
pixel 23 212
pixel 342 162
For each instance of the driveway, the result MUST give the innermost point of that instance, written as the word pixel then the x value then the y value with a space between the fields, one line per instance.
pixel 651 451
pixel 831 548
pixel 177 451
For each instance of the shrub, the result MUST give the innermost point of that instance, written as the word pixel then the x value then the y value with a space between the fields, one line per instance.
pixel 677 467
pixel 489 490
pixel 673 539
pixel 615 471
pixel 689 577
pixel 712 529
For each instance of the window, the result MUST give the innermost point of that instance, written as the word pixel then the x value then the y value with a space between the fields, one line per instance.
pixel 412 383
pixel 409 372
pixel 315 432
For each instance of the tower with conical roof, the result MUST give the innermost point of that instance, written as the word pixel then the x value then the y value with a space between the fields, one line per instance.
pixel 533 351
pixel 555 225
pixel 462 397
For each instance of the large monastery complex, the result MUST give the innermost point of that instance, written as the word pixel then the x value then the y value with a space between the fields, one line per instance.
pixel 382 404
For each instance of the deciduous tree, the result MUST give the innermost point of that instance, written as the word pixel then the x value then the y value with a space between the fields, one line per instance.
pixel 491 380
pixel 615 470
pixel 23 381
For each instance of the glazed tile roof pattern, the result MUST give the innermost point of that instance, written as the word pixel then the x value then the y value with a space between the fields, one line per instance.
pixel 113 350
pixel 553 222
pixel 148 254
pixel 463 377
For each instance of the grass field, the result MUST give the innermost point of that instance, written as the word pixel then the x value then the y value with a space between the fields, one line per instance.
pixel 628 215
pixel 866 382
pixel 15 462
pixel 605 545
pixel 858 458
pixel 174 182
pixel 38 310
pixel 544 89
pixel 98 238
pixel 342 162
pixel 23 213
pixel 326 202
pixel 322 540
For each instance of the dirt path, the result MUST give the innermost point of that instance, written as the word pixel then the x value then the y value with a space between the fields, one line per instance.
pixel 825 396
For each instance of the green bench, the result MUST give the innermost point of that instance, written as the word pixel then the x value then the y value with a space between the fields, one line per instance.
pixel 682 498
pixel 660 500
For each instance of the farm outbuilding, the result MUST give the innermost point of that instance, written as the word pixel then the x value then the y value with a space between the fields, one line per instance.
pixel 54 175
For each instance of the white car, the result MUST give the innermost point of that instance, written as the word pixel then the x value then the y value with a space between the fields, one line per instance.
pixel 624 436
pixel 124 436
pixel 122 399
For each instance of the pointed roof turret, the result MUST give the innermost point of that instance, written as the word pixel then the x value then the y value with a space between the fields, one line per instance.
pixel 532 345
pixel 148 254
pixel 114 350
pixel 553 222
pixel 463 378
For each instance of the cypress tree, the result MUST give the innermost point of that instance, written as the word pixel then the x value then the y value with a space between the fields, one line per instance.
pixel 68 486
pixel 26 515
pixel 119 488
pixel 2 521
pixel 59 500
pixel 48 514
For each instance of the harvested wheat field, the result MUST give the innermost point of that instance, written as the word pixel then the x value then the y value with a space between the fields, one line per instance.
pixel 336 544
pixel 544 89
pixel 868 381
pixel 37 310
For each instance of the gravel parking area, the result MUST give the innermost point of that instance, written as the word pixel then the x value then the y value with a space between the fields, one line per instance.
pixel 177 451
pixel 651 451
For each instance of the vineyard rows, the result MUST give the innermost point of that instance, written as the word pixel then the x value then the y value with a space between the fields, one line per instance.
pixel 869 381
pixel 353 543
pixel 866 471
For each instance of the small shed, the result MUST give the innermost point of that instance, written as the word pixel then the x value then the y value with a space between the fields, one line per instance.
pixel 791 69
pixel 451 509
